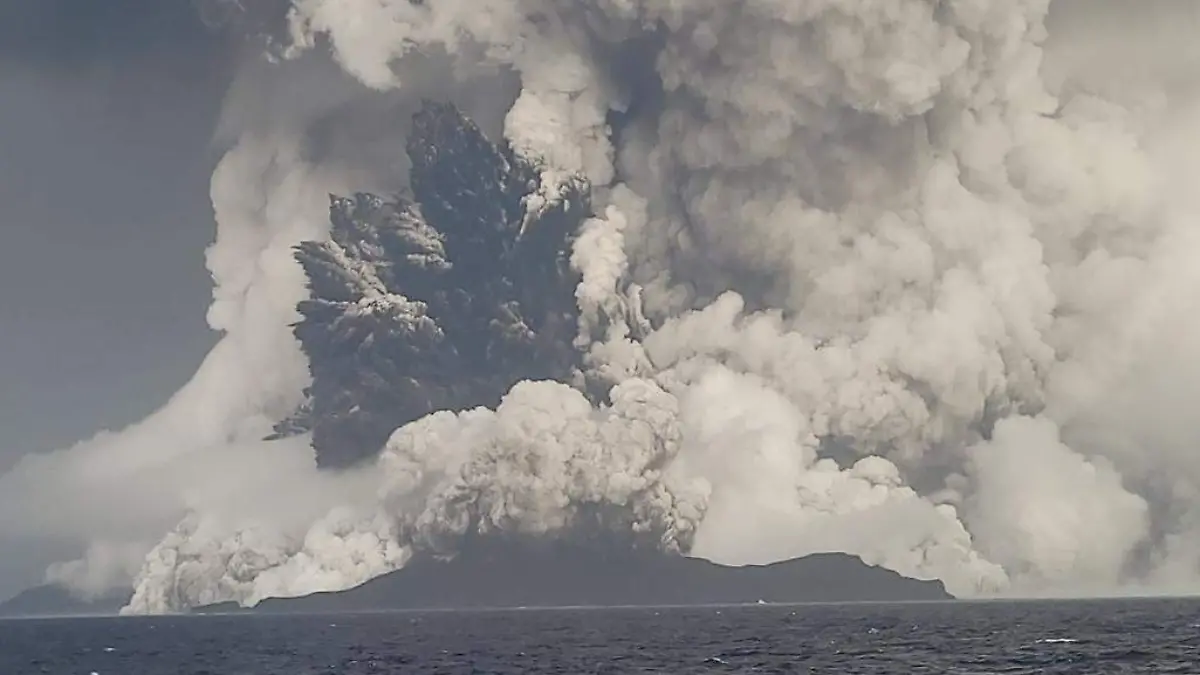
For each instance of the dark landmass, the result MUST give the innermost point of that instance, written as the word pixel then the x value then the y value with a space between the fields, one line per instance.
pixel 560 576
pixel 555 575
pixel 440 299
pixel 50 600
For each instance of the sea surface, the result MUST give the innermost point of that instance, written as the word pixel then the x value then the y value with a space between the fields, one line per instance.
pixel 1146 636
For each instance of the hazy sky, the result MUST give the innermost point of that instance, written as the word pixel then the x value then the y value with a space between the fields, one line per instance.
pixel 108 110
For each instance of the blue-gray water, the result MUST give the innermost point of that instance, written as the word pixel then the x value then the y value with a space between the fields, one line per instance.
pixel 1158 636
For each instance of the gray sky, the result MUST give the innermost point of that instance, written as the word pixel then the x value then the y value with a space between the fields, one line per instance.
pixel 104 138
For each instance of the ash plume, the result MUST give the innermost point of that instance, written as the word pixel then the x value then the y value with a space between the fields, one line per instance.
pixel 441 302
pixel 907 280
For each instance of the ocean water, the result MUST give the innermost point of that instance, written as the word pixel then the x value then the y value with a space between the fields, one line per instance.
pixel 1159 636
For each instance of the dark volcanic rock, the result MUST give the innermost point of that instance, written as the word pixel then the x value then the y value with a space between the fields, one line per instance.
pixel 557 574
pixel 50 600
pixel 439 301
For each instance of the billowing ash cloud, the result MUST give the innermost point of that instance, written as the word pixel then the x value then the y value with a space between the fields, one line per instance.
pixel 909 280
pixel 442 302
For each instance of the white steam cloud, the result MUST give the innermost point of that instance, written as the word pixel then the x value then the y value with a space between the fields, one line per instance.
pixel 909 280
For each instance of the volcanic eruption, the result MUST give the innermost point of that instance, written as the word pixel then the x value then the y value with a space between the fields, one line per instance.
pixel 743 281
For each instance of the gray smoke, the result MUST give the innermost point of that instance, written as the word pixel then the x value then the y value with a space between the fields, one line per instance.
pixel 910 280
